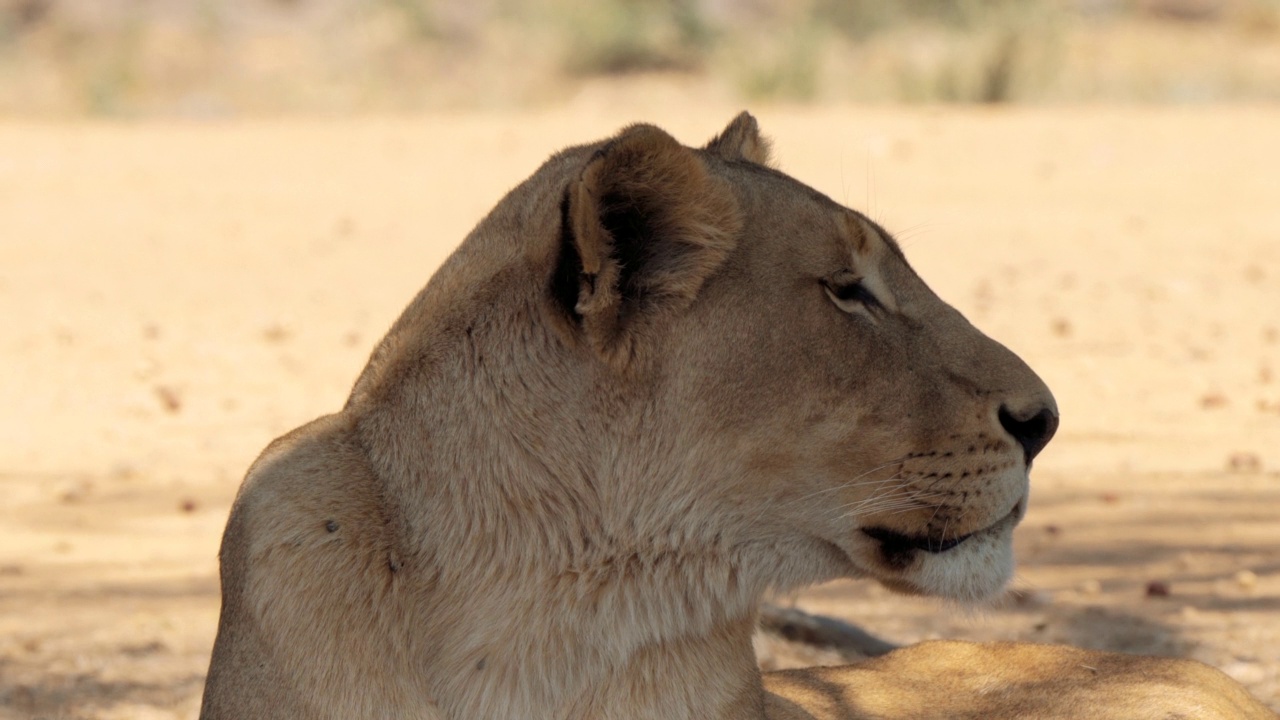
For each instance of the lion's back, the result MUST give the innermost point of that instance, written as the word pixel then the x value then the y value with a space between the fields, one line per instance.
pixel 991 681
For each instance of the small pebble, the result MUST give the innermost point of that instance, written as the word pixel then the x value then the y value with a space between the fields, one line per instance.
pixel 275 333
pixel 1244 462
pixel 1158 588
pixel 169 398
pixel 75 494
pixel 1213 401
pixel 1246 579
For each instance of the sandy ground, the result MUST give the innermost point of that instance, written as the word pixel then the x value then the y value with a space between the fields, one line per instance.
pixel 173 296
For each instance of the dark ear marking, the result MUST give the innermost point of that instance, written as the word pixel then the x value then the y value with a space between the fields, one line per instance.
pixel 642 227
pixel 741 140
pixel 568 275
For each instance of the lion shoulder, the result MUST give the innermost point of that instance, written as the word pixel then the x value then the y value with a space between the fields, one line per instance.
pixel 311 600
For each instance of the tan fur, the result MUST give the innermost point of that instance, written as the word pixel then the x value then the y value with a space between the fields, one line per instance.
pixel 742 140
pixel 641 394
pixel 948 680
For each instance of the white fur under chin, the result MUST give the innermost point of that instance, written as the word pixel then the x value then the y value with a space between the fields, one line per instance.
pixel 974 572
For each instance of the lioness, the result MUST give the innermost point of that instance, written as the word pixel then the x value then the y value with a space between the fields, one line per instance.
pixel 654 383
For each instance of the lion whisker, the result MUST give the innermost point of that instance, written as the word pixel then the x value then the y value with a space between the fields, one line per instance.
pixel 854 481
pixel 886 505
pixel 893 494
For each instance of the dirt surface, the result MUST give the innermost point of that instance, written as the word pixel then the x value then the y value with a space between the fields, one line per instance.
pixel 173 296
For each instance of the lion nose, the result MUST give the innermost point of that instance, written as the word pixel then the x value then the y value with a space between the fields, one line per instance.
pixel 1033 432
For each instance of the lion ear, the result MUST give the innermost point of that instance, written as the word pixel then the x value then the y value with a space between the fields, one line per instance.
pixel 741 140
pixel 646 225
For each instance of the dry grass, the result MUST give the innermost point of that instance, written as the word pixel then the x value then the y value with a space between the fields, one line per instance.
pixel 213 57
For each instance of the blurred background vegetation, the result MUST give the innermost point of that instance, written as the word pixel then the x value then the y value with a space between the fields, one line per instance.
pixel 261 57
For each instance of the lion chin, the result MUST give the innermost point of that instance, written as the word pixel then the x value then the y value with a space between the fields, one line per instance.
pixel 654 383
pixel 970 569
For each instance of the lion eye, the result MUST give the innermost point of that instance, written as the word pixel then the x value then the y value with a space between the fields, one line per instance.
pixel 849 293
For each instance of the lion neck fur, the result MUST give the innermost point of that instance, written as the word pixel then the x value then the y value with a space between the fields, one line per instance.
pixel 628 603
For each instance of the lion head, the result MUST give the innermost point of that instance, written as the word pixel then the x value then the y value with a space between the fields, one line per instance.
pixel 670 350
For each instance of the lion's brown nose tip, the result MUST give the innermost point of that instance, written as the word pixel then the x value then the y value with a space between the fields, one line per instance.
pixel 1033 433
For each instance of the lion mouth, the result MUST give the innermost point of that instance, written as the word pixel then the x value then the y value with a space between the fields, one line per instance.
pixel 894 543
